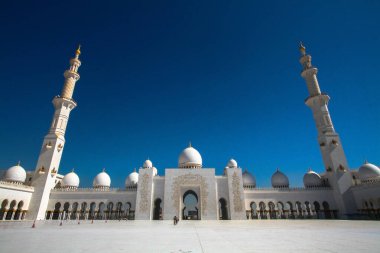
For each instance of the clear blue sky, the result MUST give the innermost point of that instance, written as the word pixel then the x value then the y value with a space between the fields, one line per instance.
pixel 157 74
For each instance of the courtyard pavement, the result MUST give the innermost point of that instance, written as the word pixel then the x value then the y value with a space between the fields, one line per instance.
pixel 191 236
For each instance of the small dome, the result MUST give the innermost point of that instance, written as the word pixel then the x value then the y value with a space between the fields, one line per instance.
pixel 279 180
pixel 70 180
pixel 232 164
pixel 147 164
pixel 312 179
pixel 15 174
pixel 102 180
pixel 190 158
pixel 369 171
pixel 248 179
pixel 132 179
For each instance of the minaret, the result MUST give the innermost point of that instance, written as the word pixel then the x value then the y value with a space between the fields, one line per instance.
pixel 329 141
pixel 53 144
pixel 330 145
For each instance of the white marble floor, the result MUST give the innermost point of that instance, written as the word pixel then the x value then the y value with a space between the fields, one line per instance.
pixel 192 236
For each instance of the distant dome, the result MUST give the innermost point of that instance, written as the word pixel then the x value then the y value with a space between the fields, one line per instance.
pixel 232 164
pixel 132 179
pixel 279 180
pixel 15 174
pixel 369 171
pixel 70 180
pixel 190 158
pixel 147 164
pixel 102 180
pixel 248 179
pixel 312 179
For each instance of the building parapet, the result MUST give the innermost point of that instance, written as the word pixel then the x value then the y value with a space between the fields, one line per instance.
pixel 16 186
pixel 129 189
pixel 293 189
pixel 368 182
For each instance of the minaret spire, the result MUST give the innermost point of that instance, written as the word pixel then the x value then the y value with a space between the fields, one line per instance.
pixel 302 49
pixel 71 75
pixel 333 155
pixel 53 144
pixel 318 103
pixel 309 72
pixel 77 53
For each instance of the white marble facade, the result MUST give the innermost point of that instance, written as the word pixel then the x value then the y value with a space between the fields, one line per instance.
pixel 338 192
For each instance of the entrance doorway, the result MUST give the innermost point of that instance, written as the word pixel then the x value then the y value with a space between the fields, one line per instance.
pixel 157 211
pixel 190 206
pixel 223 213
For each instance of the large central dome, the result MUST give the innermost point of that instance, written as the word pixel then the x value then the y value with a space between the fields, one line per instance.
pixel 190 159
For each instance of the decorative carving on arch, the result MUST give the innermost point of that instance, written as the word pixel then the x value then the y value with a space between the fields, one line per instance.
pixel 189 180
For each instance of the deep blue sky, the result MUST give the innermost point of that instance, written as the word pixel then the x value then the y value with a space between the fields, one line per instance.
pixel 157 74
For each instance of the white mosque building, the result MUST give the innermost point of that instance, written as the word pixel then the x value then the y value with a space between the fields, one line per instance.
pixel 191 191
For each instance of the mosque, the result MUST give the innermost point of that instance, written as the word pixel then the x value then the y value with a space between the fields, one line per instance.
pixel 190 191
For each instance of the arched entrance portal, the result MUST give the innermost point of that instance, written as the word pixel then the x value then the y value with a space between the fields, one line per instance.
pixel 190 206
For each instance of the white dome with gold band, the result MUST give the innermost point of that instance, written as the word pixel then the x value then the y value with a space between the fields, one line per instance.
pixel 190 159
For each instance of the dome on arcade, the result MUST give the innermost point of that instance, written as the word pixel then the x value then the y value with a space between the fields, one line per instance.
pixel 190 158
pixel 70 180
pixel 15 174
pixel 369 171
pixel 232 163
pixel 248 179
pixel 312 179
pixel 147 164
pixel 102 180
pixel 132 179
pixel 279 180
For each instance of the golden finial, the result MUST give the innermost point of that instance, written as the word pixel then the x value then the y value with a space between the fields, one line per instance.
pixel 18 163
pixel 189 144
pixel 302 49
pixel 72 170
pixel 77 53
pixel 104 170
pixel 134 170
